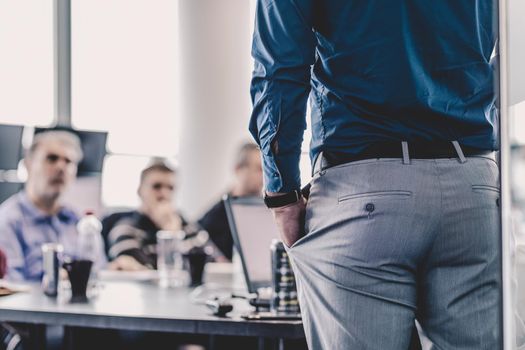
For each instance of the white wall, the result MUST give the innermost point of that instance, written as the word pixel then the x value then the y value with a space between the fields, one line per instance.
pixel 216 67
pixel 516 50
pixel 84 195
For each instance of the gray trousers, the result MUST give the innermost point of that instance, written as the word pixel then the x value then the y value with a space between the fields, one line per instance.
pixel 389 242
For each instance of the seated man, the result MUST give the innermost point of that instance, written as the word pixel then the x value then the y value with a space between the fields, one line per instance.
pixel 248 181
pixel 37 215
pixel 132 239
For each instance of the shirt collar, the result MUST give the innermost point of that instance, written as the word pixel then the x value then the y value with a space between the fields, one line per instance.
pixel 64 215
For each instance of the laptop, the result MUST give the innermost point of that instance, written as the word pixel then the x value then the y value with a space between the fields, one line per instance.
pixel 253 230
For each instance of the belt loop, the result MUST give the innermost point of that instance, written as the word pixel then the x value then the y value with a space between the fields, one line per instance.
pixel 406 155
pixel 317 166
pixel 459 151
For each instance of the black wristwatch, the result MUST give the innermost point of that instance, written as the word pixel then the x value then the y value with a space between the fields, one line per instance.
pixel 282 200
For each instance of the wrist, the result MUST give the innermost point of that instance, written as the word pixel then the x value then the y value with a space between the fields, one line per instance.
pixel 289 208
pixel 275 200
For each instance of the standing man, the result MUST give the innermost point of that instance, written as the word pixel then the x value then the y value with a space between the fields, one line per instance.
pixel 37 215
pixel 402 218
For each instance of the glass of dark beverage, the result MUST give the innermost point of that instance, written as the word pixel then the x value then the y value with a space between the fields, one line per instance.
pixel 196 259
pixel 78 272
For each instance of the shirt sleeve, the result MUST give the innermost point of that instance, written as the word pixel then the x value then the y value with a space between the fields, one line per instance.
pixel 126 239
pixel 284 51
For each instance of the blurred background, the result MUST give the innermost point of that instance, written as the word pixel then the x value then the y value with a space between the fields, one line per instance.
pixel 140 79
pixel 148 79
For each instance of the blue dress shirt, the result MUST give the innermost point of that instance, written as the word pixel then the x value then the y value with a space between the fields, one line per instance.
pixel 375 71
pixel 23 230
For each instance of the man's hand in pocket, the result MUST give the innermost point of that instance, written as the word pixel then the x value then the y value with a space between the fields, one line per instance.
pixel 290 221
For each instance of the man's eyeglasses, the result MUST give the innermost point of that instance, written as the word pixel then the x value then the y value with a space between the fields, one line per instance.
pixel 157 186
pixel 53 158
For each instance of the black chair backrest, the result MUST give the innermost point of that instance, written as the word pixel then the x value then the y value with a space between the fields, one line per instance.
pixel 7 189
pixel 10 146
pixel 9 338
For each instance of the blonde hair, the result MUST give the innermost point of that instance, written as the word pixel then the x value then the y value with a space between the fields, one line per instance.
pixel 156 166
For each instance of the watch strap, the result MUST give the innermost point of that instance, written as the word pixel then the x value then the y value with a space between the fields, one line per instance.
pixel 282 200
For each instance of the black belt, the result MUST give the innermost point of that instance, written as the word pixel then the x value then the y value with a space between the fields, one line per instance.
pixel 416 150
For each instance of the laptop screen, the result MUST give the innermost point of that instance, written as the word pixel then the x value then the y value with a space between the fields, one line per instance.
pixel 253 230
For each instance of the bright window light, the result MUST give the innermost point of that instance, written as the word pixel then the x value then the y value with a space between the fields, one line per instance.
pixel 124 73
pixel 518 123
pixel 26 62
pixel 120 180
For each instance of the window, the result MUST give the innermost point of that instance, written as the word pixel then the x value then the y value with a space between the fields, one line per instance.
pixel 124 65
pixel 305 165
pixel 119 190
pixel 517 113
pixel 124 73
pixel 121 178
pixel 26 62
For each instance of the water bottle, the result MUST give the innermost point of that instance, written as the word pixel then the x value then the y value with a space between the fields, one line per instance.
pixel 90 243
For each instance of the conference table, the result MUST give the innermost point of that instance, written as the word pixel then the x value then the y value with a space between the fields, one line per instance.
pixel 144 306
